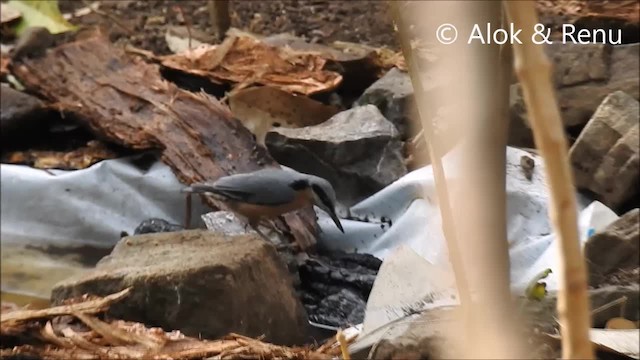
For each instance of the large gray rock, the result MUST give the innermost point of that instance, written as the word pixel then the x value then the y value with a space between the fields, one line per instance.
pixel 583 75
pixel 615 248
pixel 393 95
pixel 357 151
pixel 199 282
pixel 605 157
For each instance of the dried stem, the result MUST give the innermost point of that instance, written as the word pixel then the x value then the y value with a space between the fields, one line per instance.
pixel 440 182
pixel 187 23
pixel 344 349
pixel 219 17
pixel 534 72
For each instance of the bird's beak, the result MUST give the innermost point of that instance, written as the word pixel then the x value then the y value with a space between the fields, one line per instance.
pixel 335 219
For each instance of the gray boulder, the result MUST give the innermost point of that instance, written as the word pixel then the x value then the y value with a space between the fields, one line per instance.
pixel 200 283
pixel 583 75
pixel 605 157
pixel 615 248
pixel 358 151
pixel 393 95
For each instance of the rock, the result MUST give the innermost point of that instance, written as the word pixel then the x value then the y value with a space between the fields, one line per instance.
pixel 335 286
pixel 614 248
pixel 393 96
pixel 155 225
pixel 605 157
pixel 584 75
pixel 357 151
pixel 423 333
pixel 19 111
pixel 200 283
pixel 340 309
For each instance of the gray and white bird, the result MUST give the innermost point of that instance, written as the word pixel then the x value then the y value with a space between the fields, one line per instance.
pixel 268 193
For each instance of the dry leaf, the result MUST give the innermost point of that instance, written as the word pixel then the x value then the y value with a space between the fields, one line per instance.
pixel 260 108
pixel 245 60
pixel 77 159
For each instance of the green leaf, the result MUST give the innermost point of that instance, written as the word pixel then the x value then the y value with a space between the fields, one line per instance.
pixel 44 13
pixel 537 290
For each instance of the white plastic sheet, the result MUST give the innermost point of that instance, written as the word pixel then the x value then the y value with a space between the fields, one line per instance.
pixel 90 206
pixel 411 205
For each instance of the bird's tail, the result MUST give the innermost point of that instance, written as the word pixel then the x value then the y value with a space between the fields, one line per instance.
pixel 200 188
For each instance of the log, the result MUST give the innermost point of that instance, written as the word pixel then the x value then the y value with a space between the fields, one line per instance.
pixel 125 100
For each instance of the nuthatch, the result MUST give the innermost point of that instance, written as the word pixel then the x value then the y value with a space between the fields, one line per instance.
pixel 269 193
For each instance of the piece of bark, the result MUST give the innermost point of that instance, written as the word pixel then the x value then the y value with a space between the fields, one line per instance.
pixel 126 101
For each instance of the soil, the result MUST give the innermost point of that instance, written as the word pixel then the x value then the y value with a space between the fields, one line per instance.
pixel 143 24
pixel 365 22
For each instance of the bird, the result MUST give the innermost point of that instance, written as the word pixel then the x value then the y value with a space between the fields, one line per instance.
pixel 268 193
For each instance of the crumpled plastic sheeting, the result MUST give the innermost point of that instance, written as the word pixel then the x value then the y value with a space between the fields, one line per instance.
pixel 91 206
pixel 410 204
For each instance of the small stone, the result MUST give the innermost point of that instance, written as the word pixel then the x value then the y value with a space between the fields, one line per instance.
pixel 605 157
pixel 393 95
pixel 358 151
pixel 200 283
pixel 343 306
pixel 614 248
pixel 155 225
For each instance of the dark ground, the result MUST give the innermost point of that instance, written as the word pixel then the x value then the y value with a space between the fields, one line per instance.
pixel 319 21
pixel 361 21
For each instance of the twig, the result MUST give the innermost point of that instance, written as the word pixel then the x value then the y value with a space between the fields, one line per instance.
pixel 621 301
pixel 188 210
pixel 534 72
pixel 88 307
pixel 109 16
pixel 178 9
pixel 343 345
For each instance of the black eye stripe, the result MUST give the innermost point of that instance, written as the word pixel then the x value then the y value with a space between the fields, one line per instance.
pixel 323 196
pixel 299 184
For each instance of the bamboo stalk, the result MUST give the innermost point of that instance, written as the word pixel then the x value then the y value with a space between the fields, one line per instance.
pixel 534 72
pixel 426 116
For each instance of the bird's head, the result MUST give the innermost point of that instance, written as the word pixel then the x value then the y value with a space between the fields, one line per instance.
pixel 323 194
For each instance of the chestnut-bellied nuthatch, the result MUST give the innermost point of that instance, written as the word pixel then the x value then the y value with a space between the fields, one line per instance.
pixel 269 193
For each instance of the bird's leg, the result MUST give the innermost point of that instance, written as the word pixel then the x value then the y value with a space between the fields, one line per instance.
pixel 283 246
pixel 269 223
pixel 254 225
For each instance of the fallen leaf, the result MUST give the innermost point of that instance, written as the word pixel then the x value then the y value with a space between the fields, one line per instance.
pixel 619 323
pixel 626 342
pixel 80 158
pixel 44 13
pixel 245 60
pixel 537 290
pixel 621 342
pixel 179 44
pixel 9 14
pixel 261 108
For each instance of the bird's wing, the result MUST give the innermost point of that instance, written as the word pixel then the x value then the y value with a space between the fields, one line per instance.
pixel 255 189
